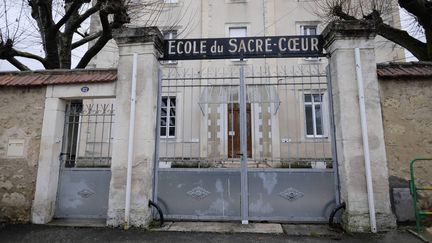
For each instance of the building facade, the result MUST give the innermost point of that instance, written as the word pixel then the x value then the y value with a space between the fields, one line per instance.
pixel 185 19
pixel 197 124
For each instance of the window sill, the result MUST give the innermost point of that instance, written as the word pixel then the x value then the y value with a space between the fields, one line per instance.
pixel 168 138
pixel 169 63
pixel 238 61
pixel 316 137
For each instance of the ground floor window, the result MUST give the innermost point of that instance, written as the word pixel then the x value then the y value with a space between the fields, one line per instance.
pixel 314 114
pixel 168 117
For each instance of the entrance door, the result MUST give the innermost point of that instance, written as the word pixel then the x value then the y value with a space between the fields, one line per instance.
pixel 234 130
pixel 85 161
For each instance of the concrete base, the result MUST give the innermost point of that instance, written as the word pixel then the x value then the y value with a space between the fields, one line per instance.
pixel 359 223
pixel 219 227
pixel 315 230
pixel 138 218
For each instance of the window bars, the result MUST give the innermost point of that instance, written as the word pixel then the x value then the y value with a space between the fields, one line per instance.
pixel 87 141
pixel 287 117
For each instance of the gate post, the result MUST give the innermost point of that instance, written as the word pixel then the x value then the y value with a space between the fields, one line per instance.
pixel 48 167
pixel 341 39
pixel 146 43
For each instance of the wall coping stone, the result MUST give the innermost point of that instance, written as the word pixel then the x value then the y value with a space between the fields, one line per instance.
pixel 131 35
pixel 348 29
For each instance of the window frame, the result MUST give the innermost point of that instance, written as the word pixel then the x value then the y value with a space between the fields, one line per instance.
pixel 238 26
pixel 305 27
pixel 172 35
pixel 313 104
pixel 168 117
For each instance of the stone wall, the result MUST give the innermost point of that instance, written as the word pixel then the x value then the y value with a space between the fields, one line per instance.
pixel 21 117
pixel 407 113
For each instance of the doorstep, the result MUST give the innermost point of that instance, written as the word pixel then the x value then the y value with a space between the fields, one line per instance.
pixel 319 230
pixel 92 223
pixel 221 227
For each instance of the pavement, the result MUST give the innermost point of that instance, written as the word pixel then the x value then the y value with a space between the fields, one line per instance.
pixel 192 232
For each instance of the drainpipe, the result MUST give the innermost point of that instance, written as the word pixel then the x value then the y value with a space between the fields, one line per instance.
pixel 130 142
pixel 365 136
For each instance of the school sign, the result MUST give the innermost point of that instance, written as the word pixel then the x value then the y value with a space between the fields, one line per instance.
pixel 245 47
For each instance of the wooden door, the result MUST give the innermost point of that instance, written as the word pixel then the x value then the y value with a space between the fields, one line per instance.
pixel 234 131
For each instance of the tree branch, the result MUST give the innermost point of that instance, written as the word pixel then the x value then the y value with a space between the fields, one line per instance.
pixel 71 10
pixel 41 13
pixel 29 55
pixel 100 43
pixel 86 39
pixel 398 36
pixel 78 21
pixel 338 12
pixel 8 52
pixel 422 9
pixel 17 64
pixel 402 38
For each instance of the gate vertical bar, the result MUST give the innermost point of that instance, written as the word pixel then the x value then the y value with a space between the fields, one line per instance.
pixel 243 148
pixel 157 143
pixel 333 135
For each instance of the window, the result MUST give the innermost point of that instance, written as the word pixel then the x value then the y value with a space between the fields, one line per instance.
pixel 237 32
pixel 314 115
pixel 170 1
pixel 170 35
pixel 309 30
pixel 168 117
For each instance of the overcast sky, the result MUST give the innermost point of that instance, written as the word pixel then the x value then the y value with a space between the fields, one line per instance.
pixel 36 48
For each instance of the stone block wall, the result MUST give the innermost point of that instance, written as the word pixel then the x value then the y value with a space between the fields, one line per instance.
pixel 21 117
pixel 407 113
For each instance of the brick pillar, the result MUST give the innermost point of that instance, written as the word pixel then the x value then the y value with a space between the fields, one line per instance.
pixel 341 39
pixel 147 43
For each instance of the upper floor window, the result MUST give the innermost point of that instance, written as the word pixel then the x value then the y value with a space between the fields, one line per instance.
pixel 309 29
pixel 237 31
pixel 169 35
pixel 170 1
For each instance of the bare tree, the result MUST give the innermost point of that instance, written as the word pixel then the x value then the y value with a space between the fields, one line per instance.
pixel 376 12
pixel 61 26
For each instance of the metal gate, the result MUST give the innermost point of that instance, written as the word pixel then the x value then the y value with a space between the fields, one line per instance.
pixel 245 144
pixel 85 160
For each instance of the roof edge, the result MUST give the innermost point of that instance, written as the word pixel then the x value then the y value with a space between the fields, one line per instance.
pixel 57 71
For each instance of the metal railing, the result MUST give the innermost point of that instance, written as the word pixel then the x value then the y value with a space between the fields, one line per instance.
pixel 88 134
pixel 288 118
pixel 419 213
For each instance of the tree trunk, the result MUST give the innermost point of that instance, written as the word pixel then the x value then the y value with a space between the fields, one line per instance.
pixel 65 52
pixel 428 34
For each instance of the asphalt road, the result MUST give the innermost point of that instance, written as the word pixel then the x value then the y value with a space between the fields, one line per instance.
pixel 43 233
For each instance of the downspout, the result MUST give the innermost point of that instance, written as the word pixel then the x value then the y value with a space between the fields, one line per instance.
pixel 370 193
pixel 130 141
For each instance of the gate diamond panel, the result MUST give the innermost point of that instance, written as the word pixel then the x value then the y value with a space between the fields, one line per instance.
pixel 291 194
